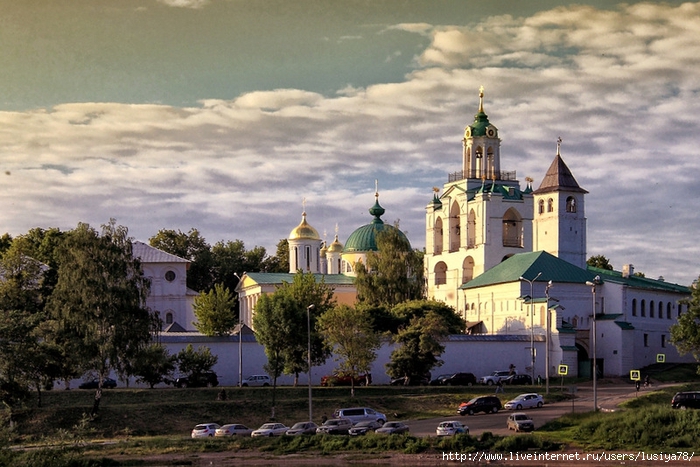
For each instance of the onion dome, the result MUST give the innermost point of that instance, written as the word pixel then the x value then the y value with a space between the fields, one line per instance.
pixel 304 231
pixel 481 125
pixel 364 238
pixel 336 246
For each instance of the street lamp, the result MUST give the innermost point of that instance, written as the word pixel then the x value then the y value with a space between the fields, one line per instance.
pixel 593 285
pixel 546 351
pixel 308 355
pixel 532 323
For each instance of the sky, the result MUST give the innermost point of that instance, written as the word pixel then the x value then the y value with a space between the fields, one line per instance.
pixel 231 116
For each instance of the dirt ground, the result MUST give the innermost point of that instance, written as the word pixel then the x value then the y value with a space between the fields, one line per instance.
pixel 230 459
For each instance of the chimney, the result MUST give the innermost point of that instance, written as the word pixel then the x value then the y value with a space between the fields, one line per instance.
pixel 627 270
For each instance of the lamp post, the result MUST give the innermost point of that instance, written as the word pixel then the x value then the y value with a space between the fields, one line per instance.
pixel 532 322
pixel 593 285
pixel 308 355
pixel 546 351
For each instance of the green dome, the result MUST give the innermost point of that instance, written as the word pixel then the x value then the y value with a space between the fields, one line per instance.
pixel 364 238
pixel 481 125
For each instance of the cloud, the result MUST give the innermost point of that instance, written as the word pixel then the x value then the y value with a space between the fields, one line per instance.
pixel 619 86
pixel 194 4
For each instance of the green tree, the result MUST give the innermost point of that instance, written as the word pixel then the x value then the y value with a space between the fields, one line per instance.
pixel 279 262
pixel 193 363
pixel 349 332
pixel 100 299
pixel 600 262
pixel 215 311
pixel 154 365
pixel 422 325
pixel 685 334
pixel 190 246
pixel 393 274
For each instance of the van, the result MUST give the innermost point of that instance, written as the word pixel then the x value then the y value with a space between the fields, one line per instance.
pixel 360 414
pixel 686 400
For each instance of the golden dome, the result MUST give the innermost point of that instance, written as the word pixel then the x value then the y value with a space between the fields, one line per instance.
pixel 304 231
pixel 336 246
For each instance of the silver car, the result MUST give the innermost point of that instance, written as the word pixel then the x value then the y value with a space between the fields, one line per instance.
pixel 302 428
pixel 525 401
pixel 270 429
pixel 233 429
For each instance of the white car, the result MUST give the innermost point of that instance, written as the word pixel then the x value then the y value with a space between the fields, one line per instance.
pixel 451 428
pixel 494 377
pixel 270 429
pixel 520 421
pixel 256 380
pixel 525 401
pixel 233 429
pixel 204 430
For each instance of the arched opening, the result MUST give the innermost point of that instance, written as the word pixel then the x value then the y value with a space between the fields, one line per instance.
pixel 440 273
pixel 467 269
pixel 550 205
pixel 437 245
pixel 168 318
pixel 454 227
pixel 512 229
pixel 540 206
pixel 471 230
pixel 570 204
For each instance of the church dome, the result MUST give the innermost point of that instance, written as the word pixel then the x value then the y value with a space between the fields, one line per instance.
pixel 304 231
pixel 481 125
pixel 336 246
pixel 364 238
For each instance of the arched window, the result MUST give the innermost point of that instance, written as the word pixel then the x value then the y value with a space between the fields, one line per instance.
pixel 668 310
pixel 471 230
pixel 570 204
pixel 437 247
pixel 168 318
pixel 651 309
pixel 661 310
pixel 540 207
pixel 634 307
pixel 644 308
pixel 308 258
pixel 512 229
pixel 550 205
pixel 455 236
pixel 440 273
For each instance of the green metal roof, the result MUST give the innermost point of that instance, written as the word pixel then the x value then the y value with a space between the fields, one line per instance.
pixel 280 277
pixel 527 265
pixel 624 325
pixel 638 282
pixel 569 348
pixel 364 238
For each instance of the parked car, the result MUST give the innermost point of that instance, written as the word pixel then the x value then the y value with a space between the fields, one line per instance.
pixel 108 383
pixel 335 426
pixel 518 380
pixel 256 380
pixel 345 380
pixel 392 428
pixel 451 428
pixel 459 379
pixel 204 430
pixel 486 404
pixel 360 414
pixel 208 379
pixel 302 428
pixel 520 421
pixel 233 429
pixel 438 381
pixel 686 400
pixel 270 429
pixel 525 401
pixel 362 428
pixel 494 377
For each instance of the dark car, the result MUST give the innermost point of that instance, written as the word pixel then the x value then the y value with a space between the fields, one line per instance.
pixel 518 380
pixel 438 381
pixel 486 404
pixel 201 380
pixel 345 380
pixel 108 383
pixel 459 379
pixel 686 400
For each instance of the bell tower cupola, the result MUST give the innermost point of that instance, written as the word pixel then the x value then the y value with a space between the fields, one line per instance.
pixel 481 157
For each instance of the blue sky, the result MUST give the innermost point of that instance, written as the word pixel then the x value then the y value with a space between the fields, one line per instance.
pixel 224 114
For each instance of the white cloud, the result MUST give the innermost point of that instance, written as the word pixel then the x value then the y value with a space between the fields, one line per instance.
pixel 620 87
pixel 195 4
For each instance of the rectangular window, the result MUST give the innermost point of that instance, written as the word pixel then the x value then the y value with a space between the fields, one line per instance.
pixel 646 340
pixel 663 340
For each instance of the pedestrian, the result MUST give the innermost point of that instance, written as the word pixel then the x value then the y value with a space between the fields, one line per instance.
pixel 499 387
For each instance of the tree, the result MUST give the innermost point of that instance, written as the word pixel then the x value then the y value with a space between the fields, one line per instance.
pixel 195 363
pixel 190 246
pixel 600 262
pixel 215 311
pixel 350 333
pixel 100 299
pixel 393 274
pixel 154 365
pixel 685 334
pixel 279 262
pixel 422 324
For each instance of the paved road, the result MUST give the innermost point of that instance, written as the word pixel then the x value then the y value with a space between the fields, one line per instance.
pixel 608 399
